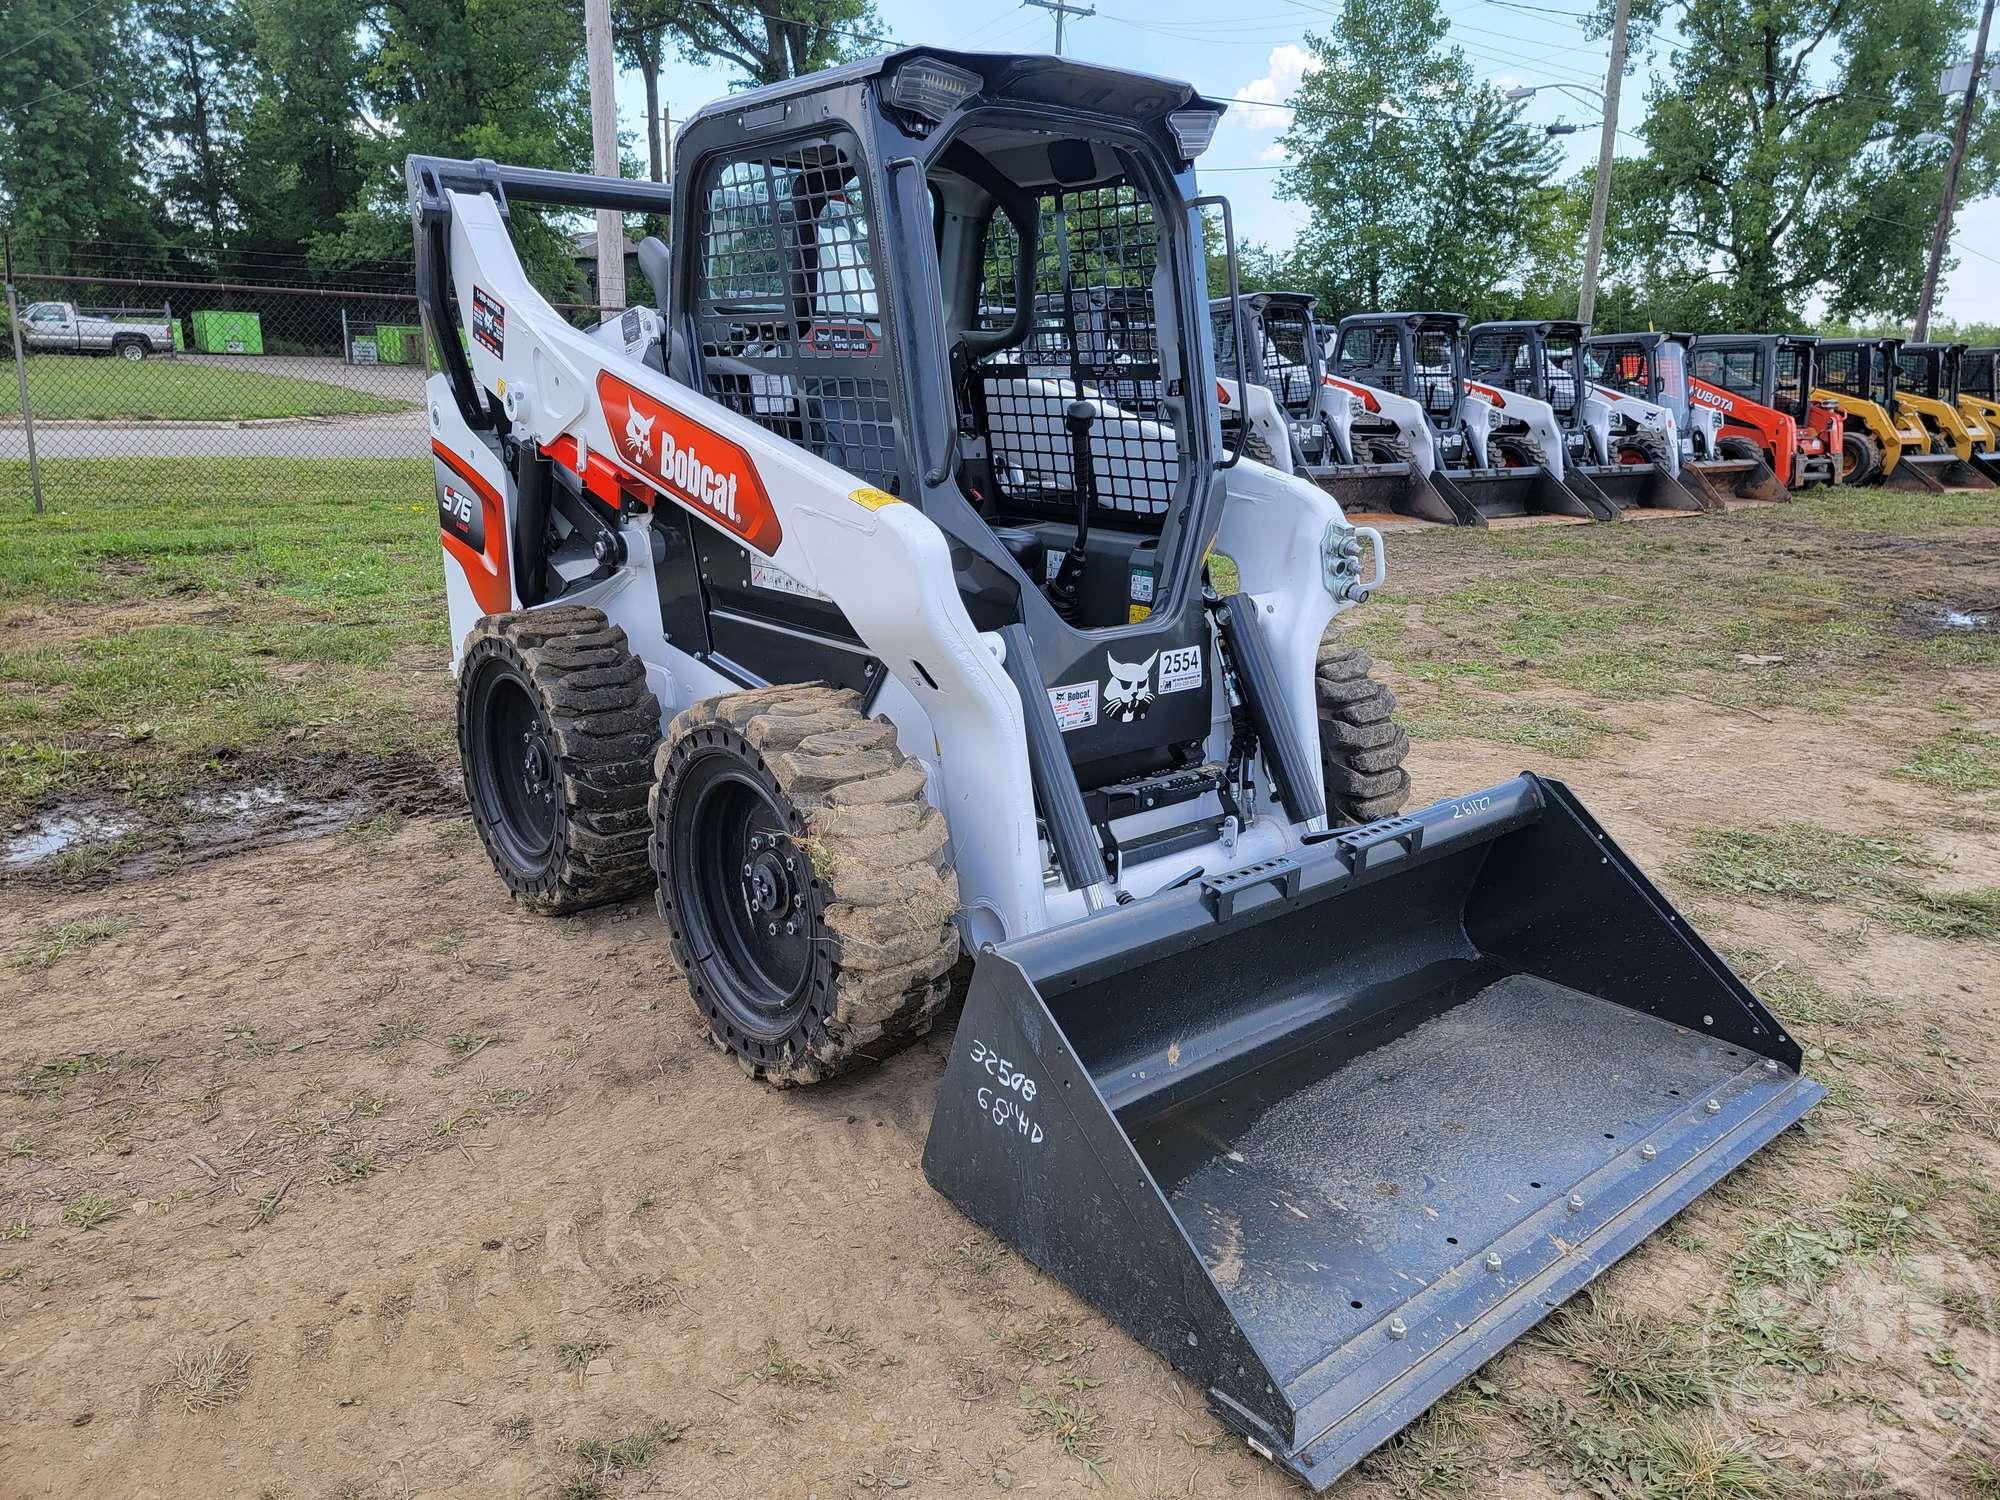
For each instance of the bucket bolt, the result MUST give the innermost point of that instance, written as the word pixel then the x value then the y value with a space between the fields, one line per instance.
pixel 1398 1329
pixel 1646 1152
pixel 1493 1260
pixel 1576 1203
pixel 1714 1106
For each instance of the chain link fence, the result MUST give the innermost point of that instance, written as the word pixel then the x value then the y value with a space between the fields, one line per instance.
pixel 174 385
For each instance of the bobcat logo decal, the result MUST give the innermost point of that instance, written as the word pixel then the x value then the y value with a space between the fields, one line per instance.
pixel 639 434
pixel 1129 693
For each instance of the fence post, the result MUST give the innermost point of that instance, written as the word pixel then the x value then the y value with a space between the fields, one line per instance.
pixel 346 338
pixel 21 376
pixel 171 351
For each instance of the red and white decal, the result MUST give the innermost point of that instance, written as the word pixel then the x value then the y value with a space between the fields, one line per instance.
pixel 1368 401
pixel 476 538
pixel 700 469
pixel 1486 393
pixel 1222 393
pixel 1708 395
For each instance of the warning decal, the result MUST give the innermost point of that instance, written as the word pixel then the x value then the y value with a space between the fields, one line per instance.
pixel 489 322
pixel 701 469
pixel 1075 705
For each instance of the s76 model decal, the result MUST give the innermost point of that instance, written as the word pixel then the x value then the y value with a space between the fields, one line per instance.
pixel 701 469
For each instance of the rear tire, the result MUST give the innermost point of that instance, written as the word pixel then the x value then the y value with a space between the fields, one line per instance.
pixel 1393 449
pixel 1361 747
pixel 1643 446
pixel 1740 448
pixel 1530 453
pixel 803 878
pixel 1255 447
pixel 132 349
pixel 556 731
pixel 1860 457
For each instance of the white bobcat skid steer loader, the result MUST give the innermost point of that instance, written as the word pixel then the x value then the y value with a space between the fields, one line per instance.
pixel 1323 1103
pixel 1540 362
pixel 1376 469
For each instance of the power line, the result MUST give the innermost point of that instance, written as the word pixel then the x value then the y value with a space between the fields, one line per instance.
pixel 74 16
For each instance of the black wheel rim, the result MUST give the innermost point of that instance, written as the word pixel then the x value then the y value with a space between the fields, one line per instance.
pixel 746 894
pixel 515 769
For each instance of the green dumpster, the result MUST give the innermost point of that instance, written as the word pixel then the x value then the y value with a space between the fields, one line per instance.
pixel 217 332
pixel 397 343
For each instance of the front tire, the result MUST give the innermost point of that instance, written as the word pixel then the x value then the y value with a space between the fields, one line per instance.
pixel 1740 448
pixel 1860 458
pixel 1642 446
pixel 803 879
pixel 1361 746
pixel 556 731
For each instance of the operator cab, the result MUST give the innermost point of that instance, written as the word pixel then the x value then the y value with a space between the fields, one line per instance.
pixel 1650 366
pixel 1931 370
pixel 1419 355
pixel 1537 359
pixel 1864 369
pixel 1771 369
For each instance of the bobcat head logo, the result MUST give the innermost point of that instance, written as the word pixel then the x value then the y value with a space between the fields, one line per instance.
pixel 1129 693
pixel 639 433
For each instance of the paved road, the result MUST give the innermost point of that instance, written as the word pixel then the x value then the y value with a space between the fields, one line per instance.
pixel 398 435
pixel 396 382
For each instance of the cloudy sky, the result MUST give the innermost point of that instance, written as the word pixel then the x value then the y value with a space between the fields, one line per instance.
pixel 1257 56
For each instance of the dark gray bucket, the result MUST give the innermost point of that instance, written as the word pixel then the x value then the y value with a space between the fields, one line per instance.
pixel 1330 1133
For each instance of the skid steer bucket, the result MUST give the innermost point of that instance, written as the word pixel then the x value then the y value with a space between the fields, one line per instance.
pixel 1748 479
pixel 1395 489
pixel 1531 490
pixel 1946 471
pixel 1915 475
pixel 1640 487
pixel 1330 1132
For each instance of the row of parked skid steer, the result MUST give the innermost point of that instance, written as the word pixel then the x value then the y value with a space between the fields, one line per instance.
pixel 1419 415
pixel 897 586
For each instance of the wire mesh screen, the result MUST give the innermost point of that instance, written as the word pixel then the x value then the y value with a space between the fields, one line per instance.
pixel 1288 361
pixel 1975 374
pixel 1559 375
pixel 1435 357
pixel 1624 368
pixel 786 308
pixel 1095 335
pixel 1791 383
pixel 1505 359
pixel 1916 373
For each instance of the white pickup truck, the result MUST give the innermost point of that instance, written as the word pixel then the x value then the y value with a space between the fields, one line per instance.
pixel 51 327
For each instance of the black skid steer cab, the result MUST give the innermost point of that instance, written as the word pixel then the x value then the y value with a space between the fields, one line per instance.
pixel 872 599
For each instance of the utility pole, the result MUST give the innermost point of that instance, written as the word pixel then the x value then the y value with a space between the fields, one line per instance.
pixel 1061 8
pixel 604 149
pixel 1600 191
pixel 1941 236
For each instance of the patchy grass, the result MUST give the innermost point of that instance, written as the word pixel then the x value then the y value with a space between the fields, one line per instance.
pixel 205 1379
pixel 180 614
pixel 1658 1459
pixel 779 1368
pixel 1799 862
pixel 599 1460
pixel 1963 762
pixel 1068 1420
pixel 1545 728
pixel 1632 1359
pixel 1864 508
pixel 574 1354
pixel 67 938
pixel 91 1210
pixel 68 387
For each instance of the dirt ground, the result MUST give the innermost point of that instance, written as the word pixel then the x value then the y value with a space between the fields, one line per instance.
pixel 330 1174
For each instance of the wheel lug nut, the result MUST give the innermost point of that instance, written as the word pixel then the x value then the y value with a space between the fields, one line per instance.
pixel 771 930
pixel 746 870
pixel 791 929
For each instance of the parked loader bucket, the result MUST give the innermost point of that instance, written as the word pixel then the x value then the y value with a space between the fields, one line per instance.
pixel 1530 490
pixel 1640 487
pixel 1739 479
pixel 1391 489
pixel 1946 470
pixel 1330 1132
pixel 1914 476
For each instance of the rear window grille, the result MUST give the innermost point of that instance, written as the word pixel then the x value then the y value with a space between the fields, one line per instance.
pixel 1095 334
pixel 786 308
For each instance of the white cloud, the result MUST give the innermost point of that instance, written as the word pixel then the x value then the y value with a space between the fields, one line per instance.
pixel 1289 65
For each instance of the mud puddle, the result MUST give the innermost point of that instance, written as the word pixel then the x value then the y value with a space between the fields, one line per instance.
pixel 96 839
pixel 1941 617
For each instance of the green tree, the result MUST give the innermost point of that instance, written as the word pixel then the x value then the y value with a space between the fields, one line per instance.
pixel 1423 184
pixel 72 190
pixel 198 54
pixel 1782 161
pixel 301 149
pixel 772 40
